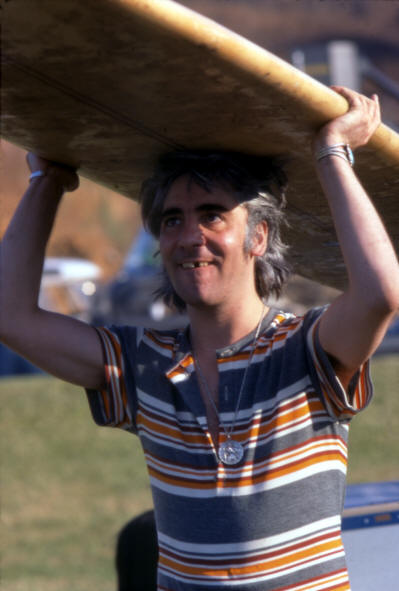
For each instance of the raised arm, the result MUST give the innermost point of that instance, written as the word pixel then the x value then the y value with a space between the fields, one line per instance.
pixel 60 345
pixel 354 325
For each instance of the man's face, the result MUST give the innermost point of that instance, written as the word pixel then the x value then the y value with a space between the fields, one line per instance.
pixel 202 245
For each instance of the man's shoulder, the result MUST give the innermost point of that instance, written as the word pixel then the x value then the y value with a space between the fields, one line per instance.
pixel 283 321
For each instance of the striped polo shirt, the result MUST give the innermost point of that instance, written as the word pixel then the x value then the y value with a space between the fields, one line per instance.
pixel 272 522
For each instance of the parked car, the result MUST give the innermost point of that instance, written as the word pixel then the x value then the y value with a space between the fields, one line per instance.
pixel 130 298
pixel 68 285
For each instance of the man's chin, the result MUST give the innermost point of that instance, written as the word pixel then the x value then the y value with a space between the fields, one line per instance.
pixel 201 302
pixel 200 297
pixel 190 299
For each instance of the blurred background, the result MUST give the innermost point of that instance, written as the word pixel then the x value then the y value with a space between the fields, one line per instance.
pixel 101 268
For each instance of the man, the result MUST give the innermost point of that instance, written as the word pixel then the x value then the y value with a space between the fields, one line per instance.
pixel 243 417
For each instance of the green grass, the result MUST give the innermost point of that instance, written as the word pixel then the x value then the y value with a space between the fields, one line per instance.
pixel 69 486
pixel 374 433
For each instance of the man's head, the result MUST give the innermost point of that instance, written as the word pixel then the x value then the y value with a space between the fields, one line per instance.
pixel 257 183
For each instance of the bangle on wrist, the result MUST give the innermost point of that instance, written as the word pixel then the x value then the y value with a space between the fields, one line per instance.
pixel 36 174
pixel 341 150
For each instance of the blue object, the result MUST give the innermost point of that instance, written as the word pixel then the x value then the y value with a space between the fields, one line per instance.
pixel 366 496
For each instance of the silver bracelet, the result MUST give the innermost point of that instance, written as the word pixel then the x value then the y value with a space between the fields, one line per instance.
pixel 36 174
pixel 341 150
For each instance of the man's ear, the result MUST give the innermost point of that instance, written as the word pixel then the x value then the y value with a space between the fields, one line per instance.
pixel 259 240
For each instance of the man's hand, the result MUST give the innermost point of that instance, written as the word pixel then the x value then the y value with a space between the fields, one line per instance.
pixel 356 126
pixel 64 175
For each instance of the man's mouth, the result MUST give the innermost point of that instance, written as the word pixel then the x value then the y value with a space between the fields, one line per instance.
pixel 195 264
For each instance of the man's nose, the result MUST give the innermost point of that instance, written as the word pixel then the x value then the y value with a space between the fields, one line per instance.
pixel 192 233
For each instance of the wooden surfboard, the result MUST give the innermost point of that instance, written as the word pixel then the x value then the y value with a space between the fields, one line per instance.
pixel 109 85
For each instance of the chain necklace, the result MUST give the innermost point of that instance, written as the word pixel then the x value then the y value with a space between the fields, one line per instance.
pixel 230 451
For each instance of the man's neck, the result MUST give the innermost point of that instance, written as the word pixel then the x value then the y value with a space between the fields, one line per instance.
pixel 215 328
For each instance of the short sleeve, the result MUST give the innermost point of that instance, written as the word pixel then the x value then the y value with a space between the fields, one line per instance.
pixel 114 406
pixel 340 404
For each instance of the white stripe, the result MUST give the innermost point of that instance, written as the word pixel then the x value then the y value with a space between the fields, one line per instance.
pixel 270 543
pixel 287 459
pixel 323 583
pixel 139 335
pixel 180 430
pixel 198 476
pixel 255 488
pixel 248 579
pixel 278 482
pixel 288 395
pixel 165 351
pixel 310 417
pixel 279 431
pixel 256 558
pixel 284 459
pixel 268 574
pixel 302 535
pixel 114 384
pixel 156 405
pixel 180 377
pixel 184 419
pixel 194 448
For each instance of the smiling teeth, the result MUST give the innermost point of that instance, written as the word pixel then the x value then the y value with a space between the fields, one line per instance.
pixel 194 265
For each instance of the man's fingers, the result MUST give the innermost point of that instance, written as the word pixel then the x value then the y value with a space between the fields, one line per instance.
pixel 369 106
pixel 358 124
pixel 350 95
pixel 67 175
pixel 357 100
pixel 35 162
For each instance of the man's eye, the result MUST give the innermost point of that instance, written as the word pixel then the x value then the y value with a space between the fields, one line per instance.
pixel 170 222
pixel 213 216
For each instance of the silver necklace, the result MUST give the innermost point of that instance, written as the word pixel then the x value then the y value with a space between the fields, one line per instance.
pixel 230 451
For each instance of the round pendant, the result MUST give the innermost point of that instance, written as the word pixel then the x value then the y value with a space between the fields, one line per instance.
pixel 231 452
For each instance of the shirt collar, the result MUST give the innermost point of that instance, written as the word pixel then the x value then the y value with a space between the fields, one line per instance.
pixel 183 358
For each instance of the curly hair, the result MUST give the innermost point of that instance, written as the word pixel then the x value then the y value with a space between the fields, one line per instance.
pixel 257 182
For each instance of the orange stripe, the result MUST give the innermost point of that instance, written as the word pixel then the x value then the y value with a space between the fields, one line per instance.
pixel 178 469
pixel 258 351
pixel 176 482
pixel 172 432
pixel 315 582
pixel 273 473
pixel 264 567
pixel 279 419
pixel 105 397
pixel 180 369
pixel 286 457
pixel 162 344
pixel 263 554
pixel 114 377
pixel 266 475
